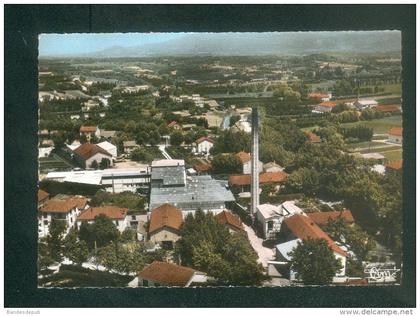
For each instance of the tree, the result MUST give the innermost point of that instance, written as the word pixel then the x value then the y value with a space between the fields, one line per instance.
pixel 59 139
pixel 76 250
pixel 104 164
pixel 100 233
pixel 176 138
pixel 226 163
pixel 314 262
pixel 55 239
pixel 303 180
pixel 44 256
pixel 208 246
pixel 233 119
pixel 121 258
pixel 94 165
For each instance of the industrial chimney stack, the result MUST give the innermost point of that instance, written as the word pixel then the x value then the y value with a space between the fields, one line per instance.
pixel 255 196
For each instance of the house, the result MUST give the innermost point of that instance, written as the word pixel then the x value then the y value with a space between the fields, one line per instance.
pixel 43 197
pixel 394 165
pixel 302 227
pixel 365 104
pixel 107 134
pixel 203 145
pixel 89 132
pixel 270 218
pixel 188 127
pixel 272 167
pixel 231 221
pixel 313 138
pixel 89 105
pixel 395 135
pixel 66 209
pixel 87 153
pixel 323 97
pixel 168 274
pixel 117 214
pixel 325 107
pixel 165 224
pixel 245 159
pixel 129 146
pixel 243 181
pixel 175 126
pixel 110 148
pixel 322 218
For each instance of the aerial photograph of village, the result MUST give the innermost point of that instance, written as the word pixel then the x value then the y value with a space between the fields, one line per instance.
pixel 220 159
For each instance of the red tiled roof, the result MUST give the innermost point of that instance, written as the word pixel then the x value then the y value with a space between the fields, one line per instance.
pixel 167 273
pixel 328 104
pixel 202 167
pixel 42 195
pixel 305 228
pixel 243 156
pixel 321 218
pixel 172 124
pixel 396 165
pixel 88 129
pixel 388 108
pixel 88 150
pixel 266 177
pixel 58 206
pixel 113 212
pixel 313 138
pixel 226 217
pixel 80 202
pixel 165 215
pixel 396 131
pixel 202 139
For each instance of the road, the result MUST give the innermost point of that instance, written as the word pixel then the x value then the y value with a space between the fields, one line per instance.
pixel 164 153
pixel 264 254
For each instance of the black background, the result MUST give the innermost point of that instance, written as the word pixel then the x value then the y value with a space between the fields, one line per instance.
pixel 23 23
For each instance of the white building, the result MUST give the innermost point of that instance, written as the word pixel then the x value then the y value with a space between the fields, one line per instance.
pixel 365 104
pixel 272 167
pixel 245 159
pixel 395 135
pixel 113 180
pixel 87 153
pixel 117 214
pixel 111 148
pixel 203 145
pixel 270 218
pixel 66 209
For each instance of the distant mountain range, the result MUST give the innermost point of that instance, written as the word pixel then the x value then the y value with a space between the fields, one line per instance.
pixel 241 44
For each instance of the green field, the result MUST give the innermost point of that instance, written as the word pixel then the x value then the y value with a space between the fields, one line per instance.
pixel 392 155
pixel 380 126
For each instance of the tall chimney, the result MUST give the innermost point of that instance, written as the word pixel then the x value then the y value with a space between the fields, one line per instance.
pixel 255 185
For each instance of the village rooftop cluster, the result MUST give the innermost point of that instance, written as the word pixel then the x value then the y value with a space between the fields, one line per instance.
pixel 147 168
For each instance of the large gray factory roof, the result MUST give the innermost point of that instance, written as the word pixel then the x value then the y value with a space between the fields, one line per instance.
pixel 200 192
pixel 169 175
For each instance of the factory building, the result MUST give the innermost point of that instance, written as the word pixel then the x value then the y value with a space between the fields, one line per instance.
pixel 170 184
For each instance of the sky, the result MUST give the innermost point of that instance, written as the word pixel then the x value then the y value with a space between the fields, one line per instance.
pixel 73 44
pixel 84 44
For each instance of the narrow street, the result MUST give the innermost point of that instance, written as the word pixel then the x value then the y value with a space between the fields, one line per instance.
pixel 164 152
pixel 264 254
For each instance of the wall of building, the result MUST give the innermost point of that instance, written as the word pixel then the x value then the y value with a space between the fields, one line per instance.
pixel 204 147
pixel 395 139
pixel 98 157
pixel 164 234
pixel 246 168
